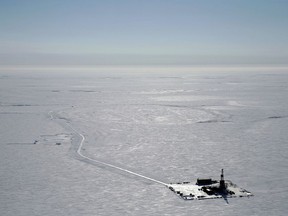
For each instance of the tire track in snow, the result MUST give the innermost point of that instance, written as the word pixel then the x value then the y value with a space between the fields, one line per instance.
pixel 79 152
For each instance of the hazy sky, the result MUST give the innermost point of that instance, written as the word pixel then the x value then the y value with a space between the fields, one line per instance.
pixel 143 32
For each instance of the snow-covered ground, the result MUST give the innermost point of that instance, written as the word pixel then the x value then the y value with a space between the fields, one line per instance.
pixel 171 127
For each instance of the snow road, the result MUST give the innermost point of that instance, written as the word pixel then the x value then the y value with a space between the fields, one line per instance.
pixel 101 162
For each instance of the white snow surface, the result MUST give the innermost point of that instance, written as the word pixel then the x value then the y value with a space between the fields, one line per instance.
pixel 168 127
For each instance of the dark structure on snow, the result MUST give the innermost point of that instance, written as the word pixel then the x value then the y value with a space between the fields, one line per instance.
pixel 207 188
pixel 222 181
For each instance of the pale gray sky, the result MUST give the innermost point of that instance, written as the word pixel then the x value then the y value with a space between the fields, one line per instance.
pixel 150 32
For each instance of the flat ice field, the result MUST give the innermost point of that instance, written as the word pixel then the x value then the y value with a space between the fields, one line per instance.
pixel 72 141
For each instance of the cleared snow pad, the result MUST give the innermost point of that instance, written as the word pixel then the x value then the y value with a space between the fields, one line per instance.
pixel 190 191
pixel 56 139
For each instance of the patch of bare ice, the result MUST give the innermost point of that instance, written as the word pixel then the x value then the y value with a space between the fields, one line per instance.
pixel 161 92
pixel 183 98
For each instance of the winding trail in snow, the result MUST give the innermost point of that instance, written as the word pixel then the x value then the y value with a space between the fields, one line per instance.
pixel 79 152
